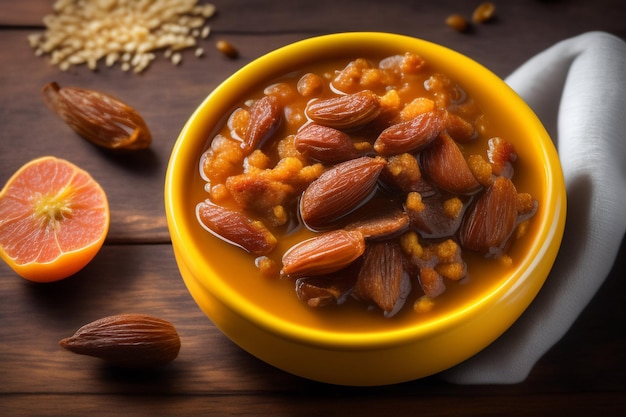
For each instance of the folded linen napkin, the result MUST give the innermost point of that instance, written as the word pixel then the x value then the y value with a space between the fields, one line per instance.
pixel 578 89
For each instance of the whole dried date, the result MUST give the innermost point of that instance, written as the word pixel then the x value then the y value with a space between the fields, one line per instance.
pixel 236 228
pixel 265 117
pixel 326 253
pixel 98 117
pixel 339 190
pixel 491 219
pixel 324 143
pixel 382 279
pixel 127 340
pixel 410 136
pixel 345 112
pixel 445 165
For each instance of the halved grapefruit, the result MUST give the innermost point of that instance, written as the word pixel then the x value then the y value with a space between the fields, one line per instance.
pixel 54 218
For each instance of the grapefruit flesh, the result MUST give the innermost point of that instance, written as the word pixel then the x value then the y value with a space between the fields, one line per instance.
pixel 54 218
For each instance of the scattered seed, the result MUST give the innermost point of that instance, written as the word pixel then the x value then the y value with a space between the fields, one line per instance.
pixel 87 31
pixel 206 31
pixel 176 58
pixel 484 12
pixel 227 49
pixel 457 22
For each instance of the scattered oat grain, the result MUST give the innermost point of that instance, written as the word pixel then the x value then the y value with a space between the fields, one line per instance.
pixel 206 31
pixel 124 32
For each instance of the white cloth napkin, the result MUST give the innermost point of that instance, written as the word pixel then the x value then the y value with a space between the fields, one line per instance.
pixel 578 89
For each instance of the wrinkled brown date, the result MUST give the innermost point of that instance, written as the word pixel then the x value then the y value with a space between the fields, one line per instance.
pixel 236 228
pixel 345 112
pixel 325 144
pixel 339 190
pixel 323 254
pixel 382 279
pixel 98 117
pixel 265 116
pixel 410 136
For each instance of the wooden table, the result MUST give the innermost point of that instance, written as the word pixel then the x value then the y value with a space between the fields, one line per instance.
pixel 584 374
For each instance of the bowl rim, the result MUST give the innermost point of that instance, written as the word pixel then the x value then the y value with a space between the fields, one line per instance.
pixel 545 244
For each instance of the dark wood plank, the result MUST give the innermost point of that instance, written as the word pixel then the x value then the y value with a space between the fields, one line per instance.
pixel 24 13
pixel 311 404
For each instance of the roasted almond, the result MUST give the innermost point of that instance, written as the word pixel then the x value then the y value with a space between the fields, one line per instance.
pixel 325 144
pixel 339 190
pixel 98 117
pixel 444 164
pixel 410 136
pixel 382 279
pixel 491 219
pixel 236 228
pixel 323 254
pixel 265 117
pixel 127 340
pixel 346 111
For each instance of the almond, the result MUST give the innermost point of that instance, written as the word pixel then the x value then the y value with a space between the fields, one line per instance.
pixel 382 279
pixel 410 136
pixel 491 219
pixel 325 144
pixel 346 111
pixel 323 254
pixel 265 117
pixel 339 190
pixel 444 164
pixel 236 228
pixel 127 340
pixel 99 118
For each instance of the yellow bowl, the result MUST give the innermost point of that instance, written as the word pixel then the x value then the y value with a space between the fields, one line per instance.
pixel 362 356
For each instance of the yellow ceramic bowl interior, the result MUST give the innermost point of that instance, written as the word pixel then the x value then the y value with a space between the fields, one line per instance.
pixel 311 347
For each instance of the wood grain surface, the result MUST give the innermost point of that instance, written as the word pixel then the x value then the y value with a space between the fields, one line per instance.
pixel 584 374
